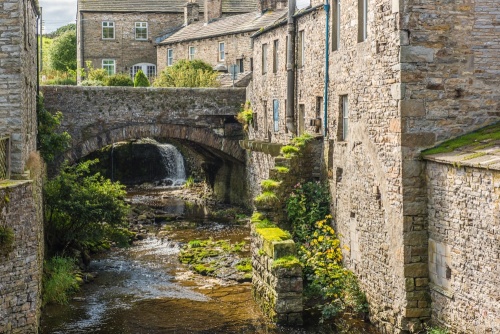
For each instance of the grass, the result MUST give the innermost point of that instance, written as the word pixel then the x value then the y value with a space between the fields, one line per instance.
pixel 245 265
pixel 59 280
pixel 286 262
pixel 267 197
pixel 189 182
pixel 273 234
pixel 269 185
pixel 474 139
pixel 282 169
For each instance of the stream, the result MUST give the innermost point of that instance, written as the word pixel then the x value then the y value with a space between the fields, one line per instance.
pixel 145 289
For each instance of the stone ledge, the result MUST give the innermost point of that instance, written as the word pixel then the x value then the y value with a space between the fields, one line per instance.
pixel 260 146
pixel 440 290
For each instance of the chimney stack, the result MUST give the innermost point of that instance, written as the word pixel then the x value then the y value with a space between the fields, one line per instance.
pixel 213 10
pixel 264 5
pixel 191 12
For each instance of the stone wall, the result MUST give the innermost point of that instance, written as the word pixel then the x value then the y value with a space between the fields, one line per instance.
pixel 18 79
pixel 21 268
pixel 124 48
pixel 237 46
pixel 464 247
pixel 277 289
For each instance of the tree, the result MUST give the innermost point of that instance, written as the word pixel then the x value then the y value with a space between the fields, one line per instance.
pixel 50 142
pixel 61 30
pixel 188 73
pixel 83 209
pixel 141 80
pixel 62 54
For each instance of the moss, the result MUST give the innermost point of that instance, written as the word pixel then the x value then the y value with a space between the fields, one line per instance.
pixel 265 223
pixel 269 185
pixel 302 140
pixel 245 265
pixel 289 151
pixel 282 169
pixel 267 197
pixel 287 262
pixel 474 156
pixel 7 238
pixel 203 269
pixel 273 234
pixel 474 139
pixel 256 217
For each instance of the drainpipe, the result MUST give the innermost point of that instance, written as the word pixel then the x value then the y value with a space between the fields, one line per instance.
pixel 327 66
pixel 290 67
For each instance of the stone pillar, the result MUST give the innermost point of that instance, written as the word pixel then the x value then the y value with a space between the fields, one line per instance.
pixel 213 10
pixel 191 12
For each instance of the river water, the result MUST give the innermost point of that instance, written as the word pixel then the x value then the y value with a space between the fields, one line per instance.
pixel 145 289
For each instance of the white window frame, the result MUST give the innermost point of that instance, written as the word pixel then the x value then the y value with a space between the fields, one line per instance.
pixel 191 52
pixel 108 25
pixel 109 65
pixel 170 57
pixel 141 25
pixel 148 69
pixel 222 49
pixel 301 48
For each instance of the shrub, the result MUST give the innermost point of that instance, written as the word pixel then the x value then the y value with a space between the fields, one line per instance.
pixel 302 140
pixel 61 82
pixel 141 80
pixel 189 182
pixel 89 82
pixel 245 116
pixel 59 280
pixel 289 151
pixel 188 73
pixel 121 80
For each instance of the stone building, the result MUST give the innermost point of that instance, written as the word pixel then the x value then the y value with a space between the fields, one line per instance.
pixel 21 254
pixel 219 41
pixel 404 76
pixel 120 36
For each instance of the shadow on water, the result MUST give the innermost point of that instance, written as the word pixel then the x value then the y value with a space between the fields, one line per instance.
pixel 144 289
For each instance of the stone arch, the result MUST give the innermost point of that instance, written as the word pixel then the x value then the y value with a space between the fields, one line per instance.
pixel 205 137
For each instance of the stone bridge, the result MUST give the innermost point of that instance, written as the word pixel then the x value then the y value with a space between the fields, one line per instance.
pixel 201 118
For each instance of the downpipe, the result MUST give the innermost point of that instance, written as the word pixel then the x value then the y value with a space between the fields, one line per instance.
pixel 290 67
pixel 327 68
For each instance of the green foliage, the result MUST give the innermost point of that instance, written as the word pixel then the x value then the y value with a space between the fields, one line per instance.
pixel 95 74
pixel 289 151
pixel 188 73
pixel 302 140
pixel 50 142
pixel 60 31
pixel 245 116
pixel 273 233
pixel 62 53
pixel 289 261
pixel 245 265
pixel 95 83
pixel 59 280
pixel 282 169
pixel 7 238
pixel 118 80
pixel 474 139
pixel 266 198
pixel 189 182
pixel 269 185
pixel 203 269
pixel 58 81
pixel 436 330
pixel 141 80
pixel 307 204
pixel 82 208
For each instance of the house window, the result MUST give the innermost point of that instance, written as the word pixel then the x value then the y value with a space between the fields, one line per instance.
pixel 170 57
pixel 275 56
pixel 344 118
pixel 264 58
pixel 302 118
pixel 192 51
pixel 251 64
pixel 222 54
pixel 108 30
pixel 240 65
pixel 362 20
pixel 336 25
pixel 276 114
pixel 300 56
pixel 265 118
pixel 141 30
pixel 109 65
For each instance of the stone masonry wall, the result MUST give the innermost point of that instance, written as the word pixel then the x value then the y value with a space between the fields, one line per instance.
pixel 21 269
pixel 124 48
pixel 464 261
pixel 237 46
pixel 277 290
pixel 18 79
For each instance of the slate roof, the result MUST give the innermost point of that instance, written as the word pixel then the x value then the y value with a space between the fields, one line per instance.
pixel 159 6
pixel 225 26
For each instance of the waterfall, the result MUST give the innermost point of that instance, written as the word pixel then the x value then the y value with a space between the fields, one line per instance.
pixel 173 163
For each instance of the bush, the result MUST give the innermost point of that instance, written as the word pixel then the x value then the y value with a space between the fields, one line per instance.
pixel 141 80
pixel 59 280
pixel 188 73
pixel 245 116
pixel 97 83
pixel 119 80
pixel 83 209
pixel 95 74
pixel 50 142
pixel 61 82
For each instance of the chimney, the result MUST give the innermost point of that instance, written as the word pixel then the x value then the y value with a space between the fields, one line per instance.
pixel 191 12
pixel 264 5
pixel 213 10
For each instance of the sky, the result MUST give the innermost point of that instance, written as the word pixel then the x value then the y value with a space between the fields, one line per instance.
pixel 57 13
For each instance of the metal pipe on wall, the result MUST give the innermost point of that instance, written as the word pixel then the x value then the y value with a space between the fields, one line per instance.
pixel 327 67
pixel 290 67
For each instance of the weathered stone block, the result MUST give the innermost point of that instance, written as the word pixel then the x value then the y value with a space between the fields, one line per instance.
pixel 416 54
pixel 412 108
pixel 416 270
